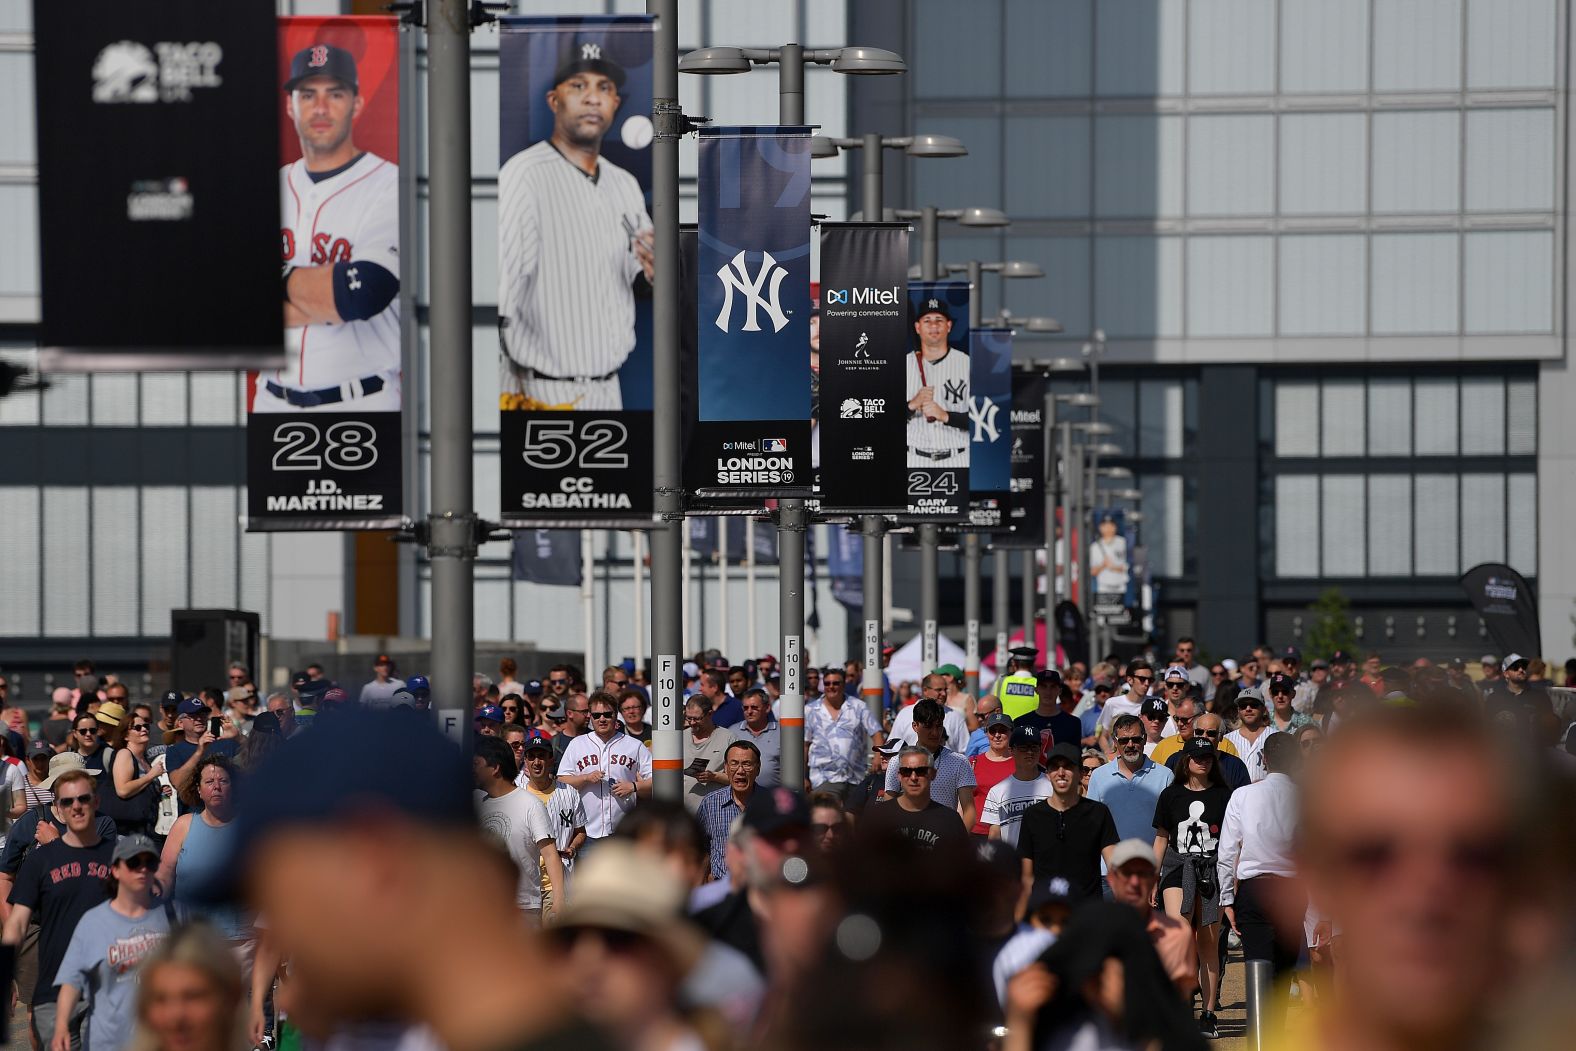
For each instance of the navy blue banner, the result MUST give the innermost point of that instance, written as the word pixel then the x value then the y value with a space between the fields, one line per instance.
pixel 752 435
pixel 938 378
pixel 845 565
pixel 547 556
pixel 990 427
pixel 1027 507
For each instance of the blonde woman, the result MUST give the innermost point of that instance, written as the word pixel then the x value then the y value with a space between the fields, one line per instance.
pixel 190 995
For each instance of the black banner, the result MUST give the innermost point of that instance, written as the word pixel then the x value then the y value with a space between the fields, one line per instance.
pixel 547 556
pixel 1508 606
pixel 1027 510
pixel 158 182
pixel 323 471
pixel 937 375
pixel 864 336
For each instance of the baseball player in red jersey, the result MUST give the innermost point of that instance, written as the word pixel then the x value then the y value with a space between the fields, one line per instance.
pixel 339 209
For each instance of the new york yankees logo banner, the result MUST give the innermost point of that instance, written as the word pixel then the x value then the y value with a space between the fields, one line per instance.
pixel 864 332
pixel 751 431
pixel 990 427
pixel 937 403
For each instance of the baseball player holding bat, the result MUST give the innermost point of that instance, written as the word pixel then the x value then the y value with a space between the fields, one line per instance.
pixel 575 242
pixel 339 209
pixel 938 392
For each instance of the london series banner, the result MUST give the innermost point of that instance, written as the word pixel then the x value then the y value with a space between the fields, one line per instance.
pixel 864 337
pixel 323 431
pixel 156 184
pixel 575 268
pixel 752 430
pixel 1026 510
pixel 990 428
pixel 937 378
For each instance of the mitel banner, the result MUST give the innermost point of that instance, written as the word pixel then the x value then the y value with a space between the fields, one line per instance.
pixel 752 432
pixel 323 444
pixel 1026 510
pixel 938 374
pixel 575 267
pixel 1508 606
pixel 864 336
pixel 990 427
pixel 156 184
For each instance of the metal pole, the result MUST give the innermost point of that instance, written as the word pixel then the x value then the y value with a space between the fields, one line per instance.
pixel 667 540
pixel 1259 993
pixel 1064 506
pixel 1002 573
pixel 792 518
pixel 639 590
pixel 749 588
pixel 930 533
pixel 971 613
pixel 588 603
pixel 1026 595
pixel 451 549
pixel 872 527
pixel 1091 492
pixel 724 636
pixel 1048 434
pixel 687 600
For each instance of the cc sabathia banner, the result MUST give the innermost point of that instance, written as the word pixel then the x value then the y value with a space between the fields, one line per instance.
pixel 323 443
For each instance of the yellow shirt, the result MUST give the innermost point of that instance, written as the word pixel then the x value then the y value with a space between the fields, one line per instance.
pixel 1170 746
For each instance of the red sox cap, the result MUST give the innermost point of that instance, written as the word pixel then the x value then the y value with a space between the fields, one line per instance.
pixel 322 60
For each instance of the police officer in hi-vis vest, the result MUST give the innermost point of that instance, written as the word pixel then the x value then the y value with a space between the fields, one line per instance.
pixel 1016 690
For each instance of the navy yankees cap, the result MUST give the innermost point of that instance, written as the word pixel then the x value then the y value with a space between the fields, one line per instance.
pixel 588 56
pixel 323 60
pixel 1024 737
pixel 933 305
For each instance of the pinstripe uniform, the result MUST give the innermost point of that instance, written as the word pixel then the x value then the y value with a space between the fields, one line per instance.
pixel 949 377
pixel 566 270
pixel 349 216
pixel 620 758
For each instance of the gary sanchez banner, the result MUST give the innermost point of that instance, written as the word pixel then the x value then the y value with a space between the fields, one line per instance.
pixel 938 374
pixel 752 431
pixel 990 427
pixel 575 267
pixel 156 184
pixel 323 434
pixel 864 334
pixel 1026 510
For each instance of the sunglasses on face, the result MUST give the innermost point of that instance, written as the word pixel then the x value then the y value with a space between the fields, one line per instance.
pixel 141 863
pixel 71 801
pixel 140 726
pixel 88 730
pixel 558 682
pixel 913 771
pixel 817 829
pixel 1183 720
pixel 1089 770
pixel 608 715
pixel 1126 742
pixel 242 678
pixel 994 730
pixel 1143 678
pixel 1217 672
pixel 1251 706
pixel 1211 734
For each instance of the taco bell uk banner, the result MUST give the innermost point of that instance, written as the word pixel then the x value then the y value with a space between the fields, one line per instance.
pixel 990 427
pixel 864 333
pixel 752 431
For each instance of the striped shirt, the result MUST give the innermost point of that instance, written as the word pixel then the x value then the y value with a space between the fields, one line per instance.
pixel 951 772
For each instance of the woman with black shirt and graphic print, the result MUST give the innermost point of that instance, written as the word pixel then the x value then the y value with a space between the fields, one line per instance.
pixel 1188 817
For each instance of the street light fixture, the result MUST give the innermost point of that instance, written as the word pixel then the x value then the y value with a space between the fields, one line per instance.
pixel 854 60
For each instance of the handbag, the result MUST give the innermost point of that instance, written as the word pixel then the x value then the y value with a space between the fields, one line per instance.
pixel 136 812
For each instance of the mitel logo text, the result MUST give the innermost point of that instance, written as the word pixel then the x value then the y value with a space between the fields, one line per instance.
pixel 881 297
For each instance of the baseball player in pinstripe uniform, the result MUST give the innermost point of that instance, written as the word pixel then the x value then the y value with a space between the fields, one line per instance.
pixel 339 211
pixel 938 392
pixel 575 240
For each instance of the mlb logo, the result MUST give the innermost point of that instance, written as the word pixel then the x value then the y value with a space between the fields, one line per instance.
pixel 774 445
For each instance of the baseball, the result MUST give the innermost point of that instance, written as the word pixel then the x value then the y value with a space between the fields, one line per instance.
pixel 636 131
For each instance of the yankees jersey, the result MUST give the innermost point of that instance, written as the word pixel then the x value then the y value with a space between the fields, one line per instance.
pixel 621 758
pixel 949 376
pixel 566 262
pixel 352 215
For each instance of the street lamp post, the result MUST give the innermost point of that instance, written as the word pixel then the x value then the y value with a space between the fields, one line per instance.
pixel 792 516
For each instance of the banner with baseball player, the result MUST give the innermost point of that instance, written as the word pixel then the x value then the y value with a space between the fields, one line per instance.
pixel 938 375
pixel 323 433
pixel 864 336
pixel 1026 507
pixel 156 213
pixel 751 435
pixel 575 270
pixel 990 428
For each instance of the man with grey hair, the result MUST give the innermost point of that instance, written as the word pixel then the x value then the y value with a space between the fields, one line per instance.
pixel 913 815
pixel 705 750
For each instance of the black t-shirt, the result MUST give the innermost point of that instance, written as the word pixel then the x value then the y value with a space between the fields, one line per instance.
pixel 55 731
pixel 865 793
pixel 1056 728
pixel 937 827
pixel 1192 819
pixel 59 883
pixel 1068 843
pixel 95 762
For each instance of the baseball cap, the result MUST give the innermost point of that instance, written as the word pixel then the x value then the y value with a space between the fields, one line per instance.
pixel 1000 859
pixel 1230 666
pixel 1320 662
pixel 192 707
pixel 1153 708
pixel 933 305
pixel 556 715
pixel 300 679
pixel 536 739
pixel 322 60
pixel 171 699
pixel 1198 746
pixel 776 809
pixel 1280 682
pixel 533 687
pixel 1175 673
pixel 316 689
pixel 1513 659
pixel 1340 657
pixel 1048 676
pixel 894 746
pixel 1067 751
pixel 1053 891
pixel 1133 849
pixel 266 723
pixel 418 683
pixel 132 846
pixel 1024 737
pixel 587 56
pixel 1291 653
pixel 691 670
pixel 1101 685
pixel 995 719
pixel 1250 697
pixel 1488 658
pixel 335 695
pixel 490 712
pixel 383 658
pixel 950 670
pixel 766 657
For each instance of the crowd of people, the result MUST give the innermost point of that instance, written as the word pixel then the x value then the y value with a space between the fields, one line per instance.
pixel 1068 860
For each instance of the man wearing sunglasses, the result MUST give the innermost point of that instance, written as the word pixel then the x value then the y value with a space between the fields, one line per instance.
pixel 1140 677
pixel 610 768
pixel 1131 784
pixel 1067 835
pixel 1255 728
pixel 952 776
pixel 1183 717
pixel 914 815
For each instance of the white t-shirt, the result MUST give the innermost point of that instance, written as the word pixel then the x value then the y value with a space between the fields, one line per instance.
pixel 953 725
pixel 1123 704
pixel 520 821
pixel 1008 799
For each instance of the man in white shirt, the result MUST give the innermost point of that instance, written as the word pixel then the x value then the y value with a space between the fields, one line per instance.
pixel 1255 729
pixel 1009 798
pixel 1255 863
pixel 381 689
pixel 520 823
pixel 934 687
pixel 1140 677
pixel 610 768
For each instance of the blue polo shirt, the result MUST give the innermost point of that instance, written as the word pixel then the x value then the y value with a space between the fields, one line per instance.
pixel 1131 800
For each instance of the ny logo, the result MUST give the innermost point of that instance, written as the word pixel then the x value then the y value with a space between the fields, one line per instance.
pixel 590 52
pixel 738 278
pixel 355 279
pixel 982 411
pixel 956 390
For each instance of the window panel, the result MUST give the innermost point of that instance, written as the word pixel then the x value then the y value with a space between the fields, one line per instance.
pixel 936 61
pixel 16 117
pixel 1047 167
pixel 1343 518
pixel 1296 419
pixel 1414 284
pixel 1521 411
pixel 1521 547
pixel 755 23
pixel 484 396
pixel 488 482
pixel 1344 413
pixel 214 528
pixel 975 179
pixel 1164 521
pixel 66 400
pixel 1389 525
pixel 214 400
pixel 1509 282
pixel 1138 286
pixel 16 16
pixel 1064 294
pixel 19 219
pixel 1482 519
pixel 1510 44
pixel 1417 45
pixel 1323 284
pixel 1138 166
pixel 1416 165
pixel 1231 165
pixel 20 408
pixel 484 248
pixel 164 556
pixel 1160 412
pixel 1230 286
pixel 485 89
pixel 492 607
pixel 114 399
pixel 1323 45
pixel 255 569
pixel 1139 47
pixel 1438 415
pixel 1435 522
pixel 1118 400
pixel 1323 163
pixel 1389 416
pixel 1231 47
pixel 20 508
pixel 1510 160
pixel 1482 416
pixel 66 582
pixel 115 542
pixel 1297 525
pixel 163 399
pixel 1048 48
